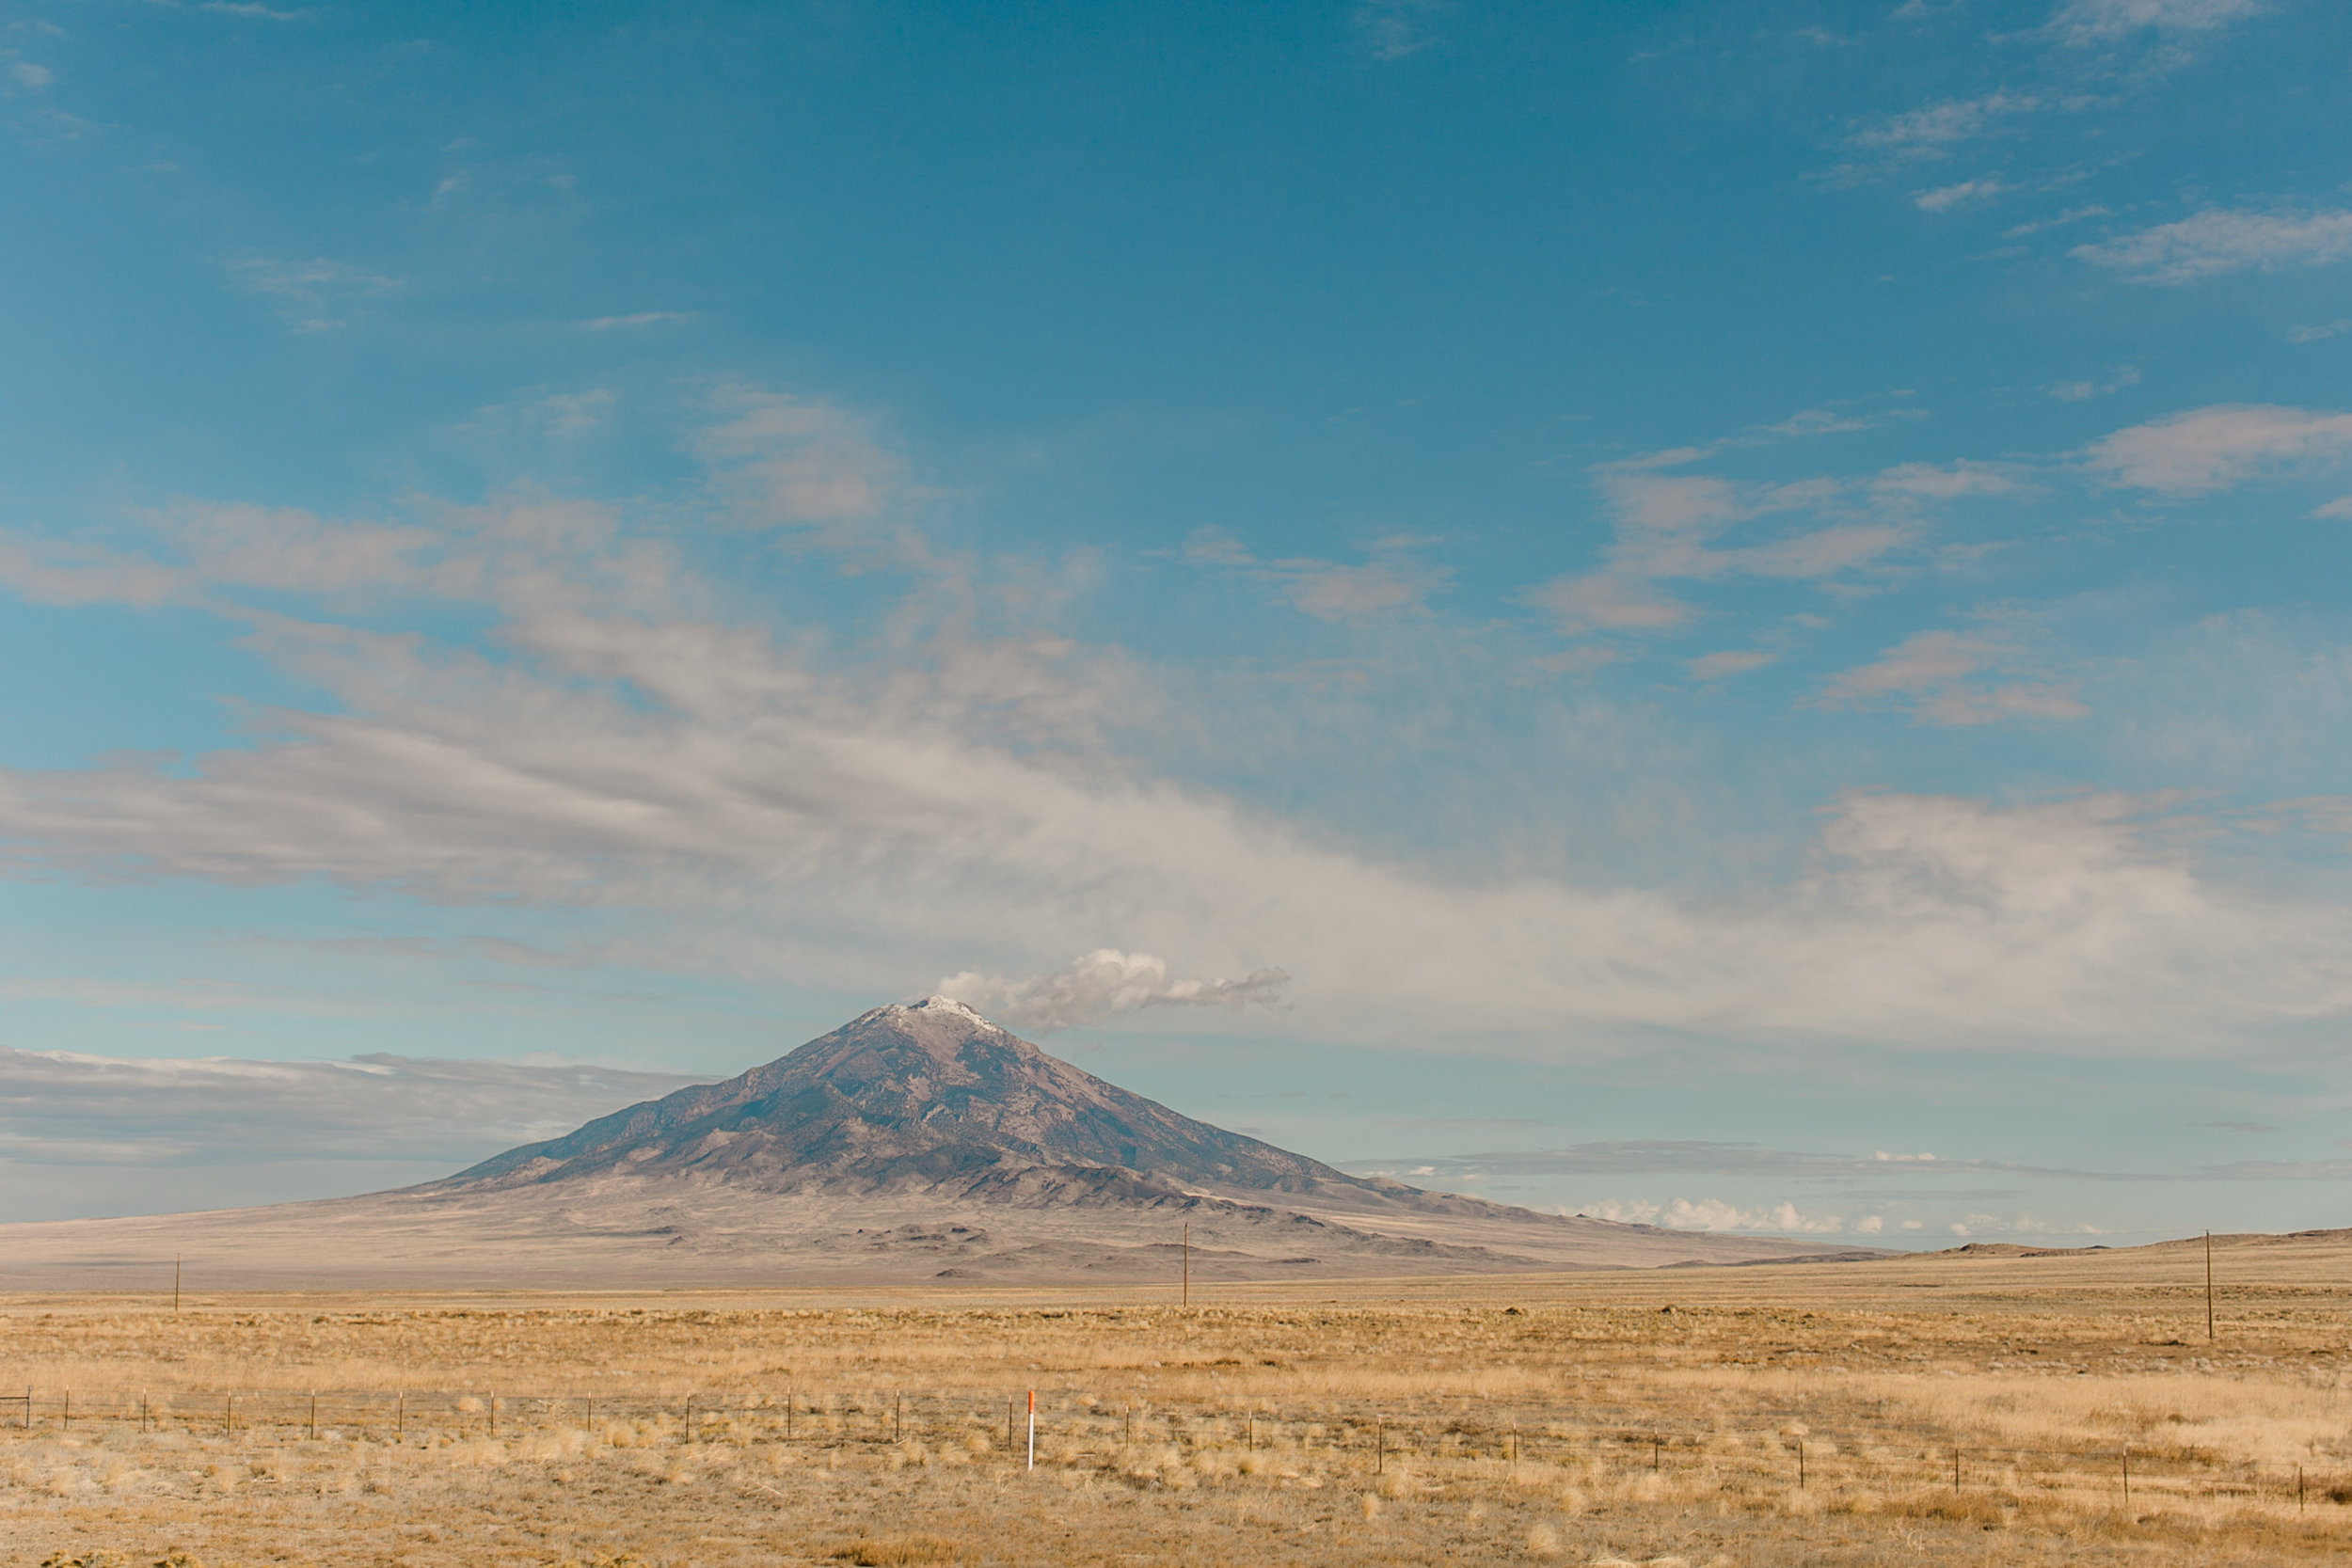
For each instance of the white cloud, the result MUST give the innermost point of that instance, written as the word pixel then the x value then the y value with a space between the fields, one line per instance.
pixel 1932 671
pixel 642 318
pixel 2103 20
pixel 2220 240
pixel 1394 29
pixel 945 799
pixel 1932 127
pixel 1393 583
pixel 1667 526
pixel 1946 481
pixel 1100 985
pixel 798 461
pixel 2210 448
pixel 1925 660
pixel 1606 603
pixel 308 292
pixel 79 574
pixel 1737 662
pixel 1823 421
pixel 2073 215
pixel 1332 593
pixel 30 75
pixel 2320 332
pixel 2077 391
pixel 1715 1215
pixel 1966 193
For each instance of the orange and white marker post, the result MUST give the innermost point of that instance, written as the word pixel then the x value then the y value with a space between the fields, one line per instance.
pixel 1032 1429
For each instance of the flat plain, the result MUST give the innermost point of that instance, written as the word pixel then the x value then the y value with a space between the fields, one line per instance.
pixel 1986 1407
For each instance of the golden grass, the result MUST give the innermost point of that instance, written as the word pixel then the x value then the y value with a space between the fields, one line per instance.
pixel 1648 1418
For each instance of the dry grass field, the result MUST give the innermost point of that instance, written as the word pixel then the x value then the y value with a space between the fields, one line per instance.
pixel 1978 1409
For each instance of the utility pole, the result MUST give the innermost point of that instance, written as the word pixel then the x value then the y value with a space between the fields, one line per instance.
pixel 2209 1287
pixel 175 1285
pixel 1188 1263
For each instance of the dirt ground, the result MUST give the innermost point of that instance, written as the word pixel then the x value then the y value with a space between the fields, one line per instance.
pixel 1982 1409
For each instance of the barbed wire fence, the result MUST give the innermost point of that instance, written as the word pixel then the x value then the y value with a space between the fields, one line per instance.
pixel 1083 1433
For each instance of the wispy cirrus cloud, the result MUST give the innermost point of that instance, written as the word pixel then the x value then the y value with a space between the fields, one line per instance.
pixel 2220 240
pixel 1394 29
pixel 1672 526
pixel 1732 662
pixel 1928 129
pixel 1966 193
pixel 968 793
pixel 1395 580
pixel 2211 449
pixel 637 319
pixel 2078 391
pixel 1941 677
pixel 311 295
pixel 2090 22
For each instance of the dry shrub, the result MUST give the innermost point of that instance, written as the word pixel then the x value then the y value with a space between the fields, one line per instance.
pixel 894 1551
pixel 1959 1507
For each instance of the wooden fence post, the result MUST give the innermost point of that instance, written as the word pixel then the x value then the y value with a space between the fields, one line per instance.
pixel 2209 1329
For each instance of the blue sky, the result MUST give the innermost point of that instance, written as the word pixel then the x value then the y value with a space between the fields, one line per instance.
pixel 1658 609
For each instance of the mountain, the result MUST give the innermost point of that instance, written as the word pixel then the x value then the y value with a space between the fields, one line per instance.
pixel 914 1145
pixel 904 1098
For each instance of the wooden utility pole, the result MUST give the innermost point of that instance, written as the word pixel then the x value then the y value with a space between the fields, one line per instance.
pixel 1188 1263
pixel 2209 1287
pixel 175 1285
